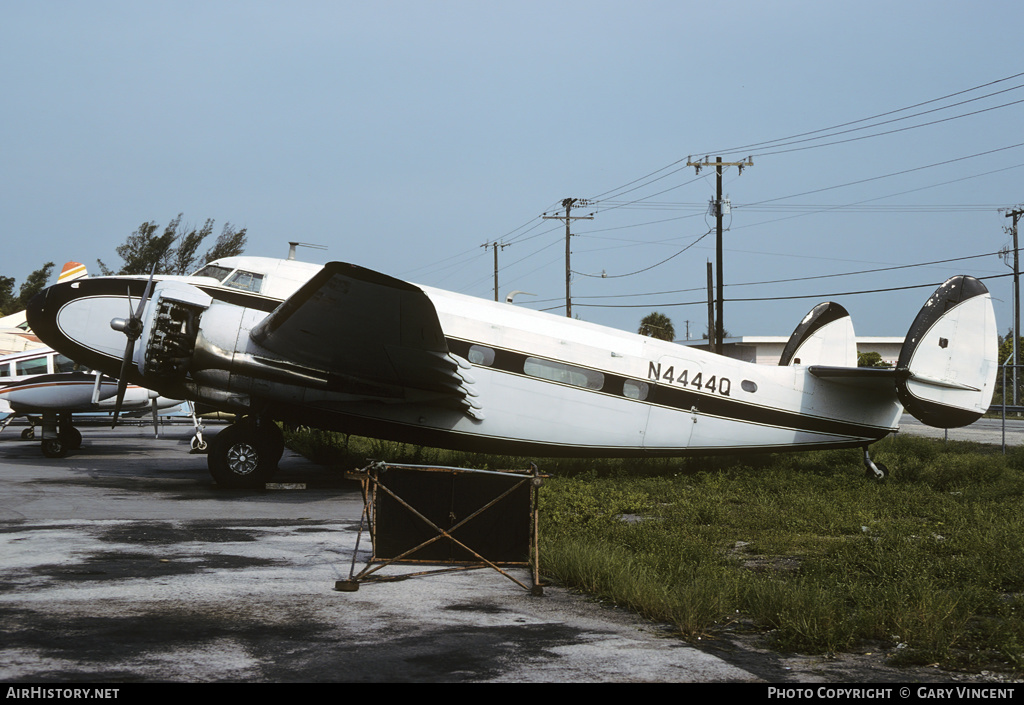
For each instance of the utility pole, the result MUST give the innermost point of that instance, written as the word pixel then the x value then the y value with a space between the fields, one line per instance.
pixel 719 324
pixel 495 245
pixel 711 310
pixel 568 203
pixel 1015 214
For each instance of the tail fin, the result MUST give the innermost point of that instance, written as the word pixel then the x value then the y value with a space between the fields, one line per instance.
pixel 824 337
pixel 72 270
pixel 947 367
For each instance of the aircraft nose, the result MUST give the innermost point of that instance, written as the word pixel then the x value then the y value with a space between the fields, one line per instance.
pixel 34 311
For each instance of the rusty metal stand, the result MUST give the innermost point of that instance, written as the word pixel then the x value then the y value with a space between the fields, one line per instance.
pixel 394 539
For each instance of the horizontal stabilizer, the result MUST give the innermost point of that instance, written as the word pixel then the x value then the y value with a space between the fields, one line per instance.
pixel 860 377
pixel 946 371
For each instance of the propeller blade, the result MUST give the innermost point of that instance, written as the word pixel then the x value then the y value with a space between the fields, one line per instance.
pixel 145 294
pixel 156 428
pixel 132 329
pixel 122 379
pixel 122 385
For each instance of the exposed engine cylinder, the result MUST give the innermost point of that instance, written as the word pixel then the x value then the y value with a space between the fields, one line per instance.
pixel 172 339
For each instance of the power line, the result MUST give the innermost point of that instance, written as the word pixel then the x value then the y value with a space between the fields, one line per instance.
pixel 784 140
pixel 793 279
pixel 785 298
pixel 890 132
pixel 645 269
pixel 762 145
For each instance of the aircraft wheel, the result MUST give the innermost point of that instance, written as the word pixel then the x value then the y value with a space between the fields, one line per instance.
pixel 197 444
pixel 72 438
pixel 273 439
pixel 53 448
pixel 238 458
pixel 28 434
pixel 871 475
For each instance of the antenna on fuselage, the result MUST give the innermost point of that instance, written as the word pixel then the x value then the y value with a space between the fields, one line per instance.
pixel 512 294
pixel 293 245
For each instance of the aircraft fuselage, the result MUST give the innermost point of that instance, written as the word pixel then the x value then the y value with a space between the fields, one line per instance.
pixel 535 383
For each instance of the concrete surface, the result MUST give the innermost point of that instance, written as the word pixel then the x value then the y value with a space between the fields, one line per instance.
pixel 988 431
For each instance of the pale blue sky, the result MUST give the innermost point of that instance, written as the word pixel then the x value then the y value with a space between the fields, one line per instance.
pixel 403 135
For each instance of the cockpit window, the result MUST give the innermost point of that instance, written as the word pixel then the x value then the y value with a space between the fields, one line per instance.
pixel 213 270
pixel 246 281
pixel 66 364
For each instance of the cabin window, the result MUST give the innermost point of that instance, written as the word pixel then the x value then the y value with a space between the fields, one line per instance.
pixel 635 390
pixel 479 355
pixel 566 374
pixel 5 370
pixel 246 281
pixel 64 364
pixel 35 366
pixel 214 271
pixel 748 386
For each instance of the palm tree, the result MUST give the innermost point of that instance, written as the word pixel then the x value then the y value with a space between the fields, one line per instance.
pixel 657 325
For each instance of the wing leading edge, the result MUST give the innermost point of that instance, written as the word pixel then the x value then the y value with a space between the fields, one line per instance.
pixel 359 324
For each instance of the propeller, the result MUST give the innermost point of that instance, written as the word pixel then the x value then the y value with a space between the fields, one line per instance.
pixel 156 425
pixel 132 329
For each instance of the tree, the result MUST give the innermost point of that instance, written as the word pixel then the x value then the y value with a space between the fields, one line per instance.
pixel 174 251
pixel 871 359
pixel 6 296
pixel 230 243
pixel 33 284
pixel 657 325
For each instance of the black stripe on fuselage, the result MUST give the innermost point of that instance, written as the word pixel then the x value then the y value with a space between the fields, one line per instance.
pixel 513 362
pixel 377 427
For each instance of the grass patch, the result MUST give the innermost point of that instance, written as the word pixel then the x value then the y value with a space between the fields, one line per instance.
pixel 797 546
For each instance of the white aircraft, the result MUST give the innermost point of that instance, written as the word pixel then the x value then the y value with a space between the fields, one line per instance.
pixel 43 383
pixel 15 335
pixel 346 348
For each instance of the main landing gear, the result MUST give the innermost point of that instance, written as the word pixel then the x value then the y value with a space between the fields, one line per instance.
pixel 59 438
pixel 246 453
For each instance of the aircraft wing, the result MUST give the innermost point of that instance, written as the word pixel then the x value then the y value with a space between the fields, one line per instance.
pixel 372 333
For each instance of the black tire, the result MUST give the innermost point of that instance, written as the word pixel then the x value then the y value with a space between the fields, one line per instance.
pixel 53 448
pixel 28 434
pixel 272 437
pixel 870 474
pixel 237 458
pixel 72 438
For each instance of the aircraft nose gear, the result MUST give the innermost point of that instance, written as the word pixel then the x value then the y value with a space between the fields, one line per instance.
pixel 873 470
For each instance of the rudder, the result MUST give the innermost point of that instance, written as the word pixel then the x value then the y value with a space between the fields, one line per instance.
pixel 946 372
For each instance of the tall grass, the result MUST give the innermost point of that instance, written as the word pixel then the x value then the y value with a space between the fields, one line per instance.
pixel 801 547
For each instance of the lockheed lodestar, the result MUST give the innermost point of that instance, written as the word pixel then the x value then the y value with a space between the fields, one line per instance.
pixel 346 348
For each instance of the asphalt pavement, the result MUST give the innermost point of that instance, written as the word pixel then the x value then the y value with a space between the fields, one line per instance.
pixel 124 563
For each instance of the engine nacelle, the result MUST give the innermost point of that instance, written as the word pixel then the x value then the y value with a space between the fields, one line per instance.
pixel 169 334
